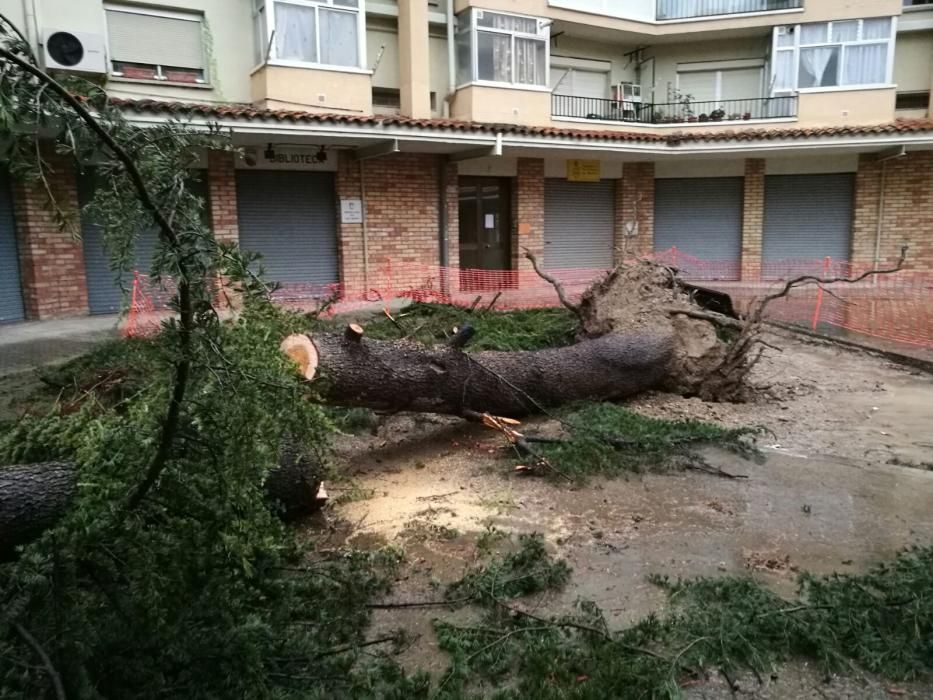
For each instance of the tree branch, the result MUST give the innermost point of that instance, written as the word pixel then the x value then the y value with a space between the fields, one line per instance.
pixel 558 287
pixel 46 661
pixel 168 233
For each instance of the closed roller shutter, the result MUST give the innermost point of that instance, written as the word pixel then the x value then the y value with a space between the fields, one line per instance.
pixel 808 216
pixel 578 220
pixel 11 293
pixel 107 290
pixel 290 218
pixel 701 217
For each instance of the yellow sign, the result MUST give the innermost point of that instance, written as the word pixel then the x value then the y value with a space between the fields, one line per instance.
pixel 583 171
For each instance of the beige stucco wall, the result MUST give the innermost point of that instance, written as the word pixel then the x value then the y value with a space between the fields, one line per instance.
pixel 913 61
pixel 230 55
pixel 502 105
pixel 569 46
pixel 845 107
pixel 814 11
pixel 281 87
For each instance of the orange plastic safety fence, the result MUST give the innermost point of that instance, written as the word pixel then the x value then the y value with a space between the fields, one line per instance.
pixel 897 307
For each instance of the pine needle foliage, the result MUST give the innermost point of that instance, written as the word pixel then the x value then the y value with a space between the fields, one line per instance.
pixel 881 622
pixel 609 439
pixel 433 324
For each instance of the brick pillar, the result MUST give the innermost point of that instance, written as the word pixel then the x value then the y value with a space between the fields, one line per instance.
pixel 221 187
pixel 453 216
pixel 528 225
pixel 633 232
pixel 350 236
pixel 753 218
pixel 51 257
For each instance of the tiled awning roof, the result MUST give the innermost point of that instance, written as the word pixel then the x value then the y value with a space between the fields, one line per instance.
pixel 249 113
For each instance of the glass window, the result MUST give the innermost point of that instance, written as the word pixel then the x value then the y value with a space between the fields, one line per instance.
pixel 323 32
pixel 866 64
pixel 830 54
pixel 500 48
pixel 819 67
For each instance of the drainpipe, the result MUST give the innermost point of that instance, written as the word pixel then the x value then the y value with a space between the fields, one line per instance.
pixel 451 59
pixel 443 222
pixel 365 228
pixel 31 28
pixel 878 229
pixel 892 154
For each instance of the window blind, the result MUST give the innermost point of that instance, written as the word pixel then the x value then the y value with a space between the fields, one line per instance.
pixel 155 40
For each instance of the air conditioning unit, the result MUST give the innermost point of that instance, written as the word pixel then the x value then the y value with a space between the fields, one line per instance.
pixel 78 52
pixel 626 92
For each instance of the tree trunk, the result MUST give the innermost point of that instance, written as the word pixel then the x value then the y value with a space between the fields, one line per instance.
pixel 404 376
pixel 34 496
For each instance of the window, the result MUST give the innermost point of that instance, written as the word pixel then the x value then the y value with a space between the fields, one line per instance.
pixel 832 54
pixel 316 32
pixel 494 47
pixel 913 100
pixel 155 45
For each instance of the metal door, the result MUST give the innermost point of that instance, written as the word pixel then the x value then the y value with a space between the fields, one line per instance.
pixel 290 218
pixel 578 223
pixel 808 217
pixel 11 292
pixel 701 217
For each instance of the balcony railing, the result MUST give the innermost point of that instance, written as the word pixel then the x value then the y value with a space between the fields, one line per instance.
pixel 685 112
pixel 689 9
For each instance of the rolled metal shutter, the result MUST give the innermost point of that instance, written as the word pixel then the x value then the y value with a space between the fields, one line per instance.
pixel 578 222
pixel 291 219
pixel 808 216
pixel 11 292
pixel 107 289
pixel 701 217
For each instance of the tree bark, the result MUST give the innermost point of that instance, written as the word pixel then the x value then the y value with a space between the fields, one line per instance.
pixel 33 497
pixel 404 376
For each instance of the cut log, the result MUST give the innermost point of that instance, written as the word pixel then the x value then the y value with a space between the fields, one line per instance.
pixel 405 376
pixel 33 497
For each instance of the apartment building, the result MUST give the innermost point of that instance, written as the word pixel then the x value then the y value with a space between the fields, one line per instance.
pixel 460 132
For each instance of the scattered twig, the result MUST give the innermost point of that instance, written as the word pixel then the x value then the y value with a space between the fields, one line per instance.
pixel 494 300
pixel 392 318
pixel 476 302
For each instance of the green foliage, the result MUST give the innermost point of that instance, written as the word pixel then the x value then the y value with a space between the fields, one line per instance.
pixel 431 324
pixel 882 621
pixel 354 421
pixel 608 439
pixel 528 570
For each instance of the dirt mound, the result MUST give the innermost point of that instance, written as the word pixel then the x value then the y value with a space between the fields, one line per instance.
pixel 647 296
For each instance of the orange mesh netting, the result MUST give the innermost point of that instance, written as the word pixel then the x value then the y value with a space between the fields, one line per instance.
pixel 896 307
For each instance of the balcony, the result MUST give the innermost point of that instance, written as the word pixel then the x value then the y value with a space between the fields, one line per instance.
pixel 684 112
pixel 668 10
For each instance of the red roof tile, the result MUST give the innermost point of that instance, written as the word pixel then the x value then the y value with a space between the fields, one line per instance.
pixel 249 113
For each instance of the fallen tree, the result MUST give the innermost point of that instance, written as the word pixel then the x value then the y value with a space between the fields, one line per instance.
pixel 402 376
pixel 33 497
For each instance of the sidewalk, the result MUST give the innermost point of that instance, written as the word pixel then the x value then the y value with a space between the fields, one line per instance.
pixel 24 346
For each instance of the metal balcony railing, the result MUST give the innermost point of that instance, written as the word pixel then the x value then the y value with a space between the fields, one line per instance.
pixel 684 112
pixel 689 9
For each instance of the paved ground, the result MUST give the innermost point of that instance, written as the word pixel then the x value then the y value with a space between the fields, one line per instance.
pixel 25 346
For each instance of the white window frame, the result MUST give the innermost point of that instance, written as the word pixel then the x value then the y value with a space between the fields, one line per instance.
pixel 543 34
pixel 268 56
pixel 192 16
pixel 795 48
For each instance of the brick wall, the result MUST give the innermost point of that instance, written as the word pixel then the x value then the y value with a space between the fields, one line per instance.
pixel 51 258
pixel 221 188
pixel 401 217
pixel 753 218
pixel 908 210
pixel 528 212
pixel 634 211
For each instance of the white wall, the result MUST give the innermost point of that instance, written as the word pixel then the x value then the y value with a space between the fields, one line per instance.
pixel 638 10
